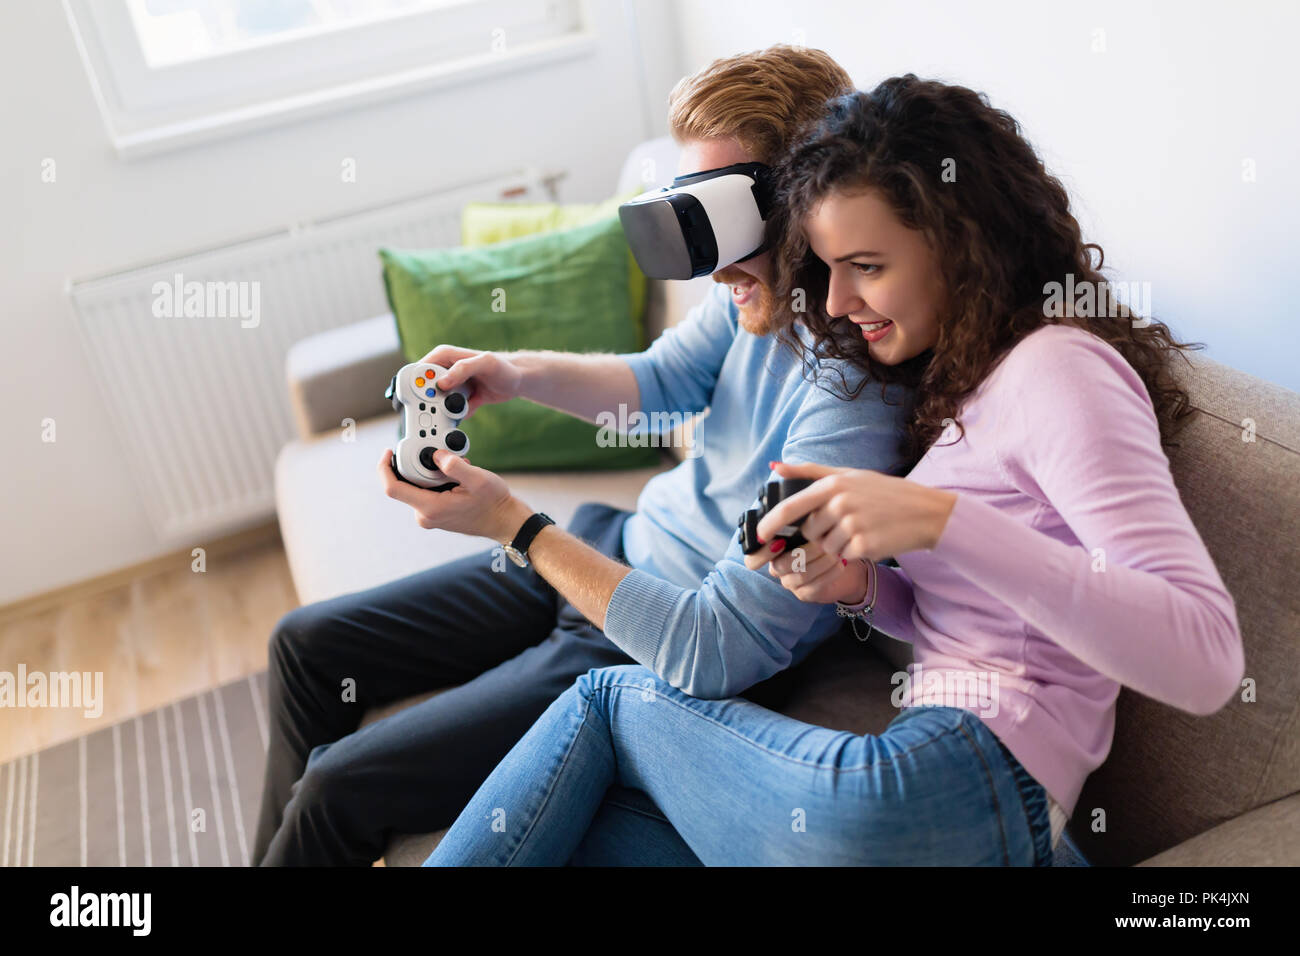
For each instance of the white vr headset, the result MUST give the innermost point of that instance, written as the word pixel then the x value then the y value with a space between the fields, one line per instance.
pixel 701 223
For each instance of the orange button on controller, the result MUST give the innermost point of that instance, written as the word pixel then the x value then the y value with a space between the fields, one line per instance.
pixel 419 383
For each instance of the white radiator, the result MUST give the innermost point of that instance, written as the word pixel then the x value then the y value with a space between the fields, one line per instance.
pixel 199 403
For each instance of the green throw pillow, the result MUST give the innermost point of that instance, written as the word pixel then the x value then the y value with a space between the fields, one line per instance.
pixel 567 290
pixel 486 222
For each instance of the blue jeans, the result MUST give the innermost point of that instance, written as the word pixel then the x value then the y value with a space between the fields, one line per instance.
pixel 728 782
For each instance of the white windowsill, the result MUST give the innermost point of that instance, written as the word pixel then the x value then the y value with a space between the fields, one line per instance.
pixel 151 140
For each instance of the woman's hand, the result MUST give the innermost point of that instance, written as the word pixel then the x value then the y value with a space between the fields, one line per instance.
pixel 490 377
pixel 814 576
pixel 855 513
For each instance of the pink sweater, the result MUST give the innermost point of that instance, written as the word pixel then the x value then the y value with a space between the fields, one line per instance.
pixel 1068 566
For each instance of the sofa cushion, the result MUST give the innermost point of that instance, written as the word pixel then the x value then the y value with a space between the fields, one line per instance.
pixel 1171 775
pixel 1266 836
pixel 342 533
pixel 339 375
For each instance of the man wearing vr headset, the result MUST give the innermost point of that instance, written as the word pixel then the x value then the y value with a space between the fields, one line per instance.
pixel 665 586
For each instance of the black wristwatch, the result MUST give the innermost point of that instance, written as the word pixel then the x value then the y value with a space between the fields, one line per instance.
pixel 518 548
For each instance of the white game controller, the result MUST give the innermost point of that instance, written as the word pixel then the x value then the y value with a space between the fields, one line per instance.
pixel 429 419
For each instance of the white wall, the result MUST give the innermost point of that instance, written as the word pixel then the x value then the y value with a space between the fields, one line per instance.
pixel 1149 135
pixel 69 510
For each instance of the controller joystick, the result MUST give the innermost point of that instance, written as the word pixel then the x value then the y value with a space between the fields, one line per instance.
pixel 429 420
pixel 455 403
pixel 774 492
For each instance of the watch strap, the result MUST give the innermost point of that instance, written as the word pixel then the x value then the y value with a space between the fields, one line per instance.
pixel 535 523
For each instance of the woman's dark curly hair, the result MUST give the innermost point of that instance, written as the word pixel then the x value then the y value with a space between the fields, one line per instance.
pixel 1001 232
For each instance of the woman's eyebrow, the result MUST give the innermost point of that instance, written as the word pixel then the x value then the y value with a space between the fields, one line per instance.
pixel 866 253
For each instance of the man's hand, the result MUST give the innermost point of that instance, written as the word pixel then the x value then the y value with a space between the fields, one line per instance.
pixel 480 505
pixel 490 376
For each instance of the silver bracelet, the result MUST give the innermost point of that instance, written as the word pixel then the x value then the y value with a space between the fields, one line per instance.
pixel 853 616
pixel 843 610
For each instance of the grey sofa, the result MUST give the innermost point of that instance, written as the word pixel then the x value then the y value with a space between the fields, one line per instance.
pixel 1175 790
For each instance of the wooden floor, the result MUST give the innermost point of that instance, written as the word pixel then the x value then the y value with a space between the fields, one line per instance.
pixel 163 636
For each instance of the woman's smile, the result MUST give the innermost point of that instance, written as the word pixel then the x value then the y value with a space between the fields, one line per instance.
pixel 874 331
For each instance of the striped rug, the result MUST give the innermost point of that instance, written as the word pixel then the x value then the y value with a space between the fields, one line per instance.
pixel 178 786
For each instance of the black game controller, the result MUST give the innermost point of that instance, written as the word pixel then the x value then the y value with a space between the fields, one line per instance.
pixel 775 491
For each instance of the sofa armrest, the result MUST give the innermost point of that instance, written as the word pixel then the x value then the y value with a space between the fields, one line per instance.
pixel 1266 836
pixel 342 374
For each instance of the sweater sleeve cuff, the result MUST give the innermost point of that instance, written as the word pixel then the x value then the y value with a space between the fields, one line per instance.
pixel 638 613
pixel 873 586
pixel 647 383
pixel 894 604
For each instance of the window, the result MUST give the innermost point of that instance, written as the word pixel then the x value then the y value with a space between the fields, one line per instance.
pixel 171 72
pixel 175 31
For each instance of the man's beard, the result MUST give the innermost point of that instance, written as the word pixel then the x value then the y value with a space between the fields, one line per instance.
pixel 755 316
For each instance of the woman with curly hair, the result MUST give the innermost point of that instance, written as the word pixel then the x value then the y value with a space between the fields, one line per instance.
pixel 1042 555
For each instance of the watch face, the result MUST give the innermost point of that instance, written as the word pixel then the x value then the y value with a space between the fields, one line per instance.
pixel 516 557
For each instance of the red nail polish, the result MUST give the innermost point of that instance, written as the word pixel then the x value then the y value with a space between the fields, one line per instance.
pixel 777 545
pixel 844 562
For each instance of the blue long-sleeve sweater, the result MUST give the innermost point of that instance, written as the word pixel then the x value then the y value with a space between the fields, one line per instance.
pixel 690 610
